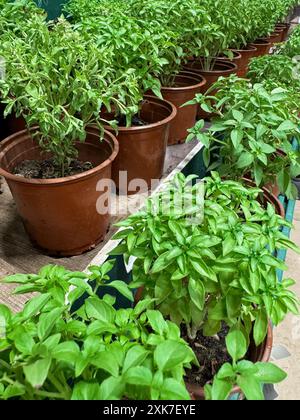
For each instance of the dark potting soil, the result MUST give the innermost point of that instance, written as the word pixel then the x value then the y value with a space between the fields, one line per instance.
pixel 211 353
pixel 135 122
pixel 47 169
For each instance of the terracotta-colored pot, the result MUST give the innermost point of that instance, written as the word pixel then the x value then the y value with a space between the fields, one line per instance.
pixel 247 53
pixel 257 354
pixel 263 47
pixel 237 58
pixel 273 187
pixel 60 215
pixel 274 38
pixel 187 85
pixel 284 27
pixel 270 195
pixel 221 68
pixel 143 148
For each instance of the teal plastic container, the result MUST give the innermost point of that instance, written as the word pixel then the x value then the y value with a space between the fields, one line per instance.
pixel 52 7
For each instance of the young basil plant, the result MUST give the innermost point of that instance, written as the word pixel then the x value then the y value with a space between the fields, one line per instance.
pixel 221 267
pixel 251 133
pixel 61 347
pixel 278 69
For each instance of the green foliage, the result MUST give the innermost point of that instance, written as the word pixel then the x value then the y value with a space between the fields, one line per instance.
pixel 251 132
pixel 208 259
pixel 183 29
pixel 58 83
pixel 292 47
pixel 219 267
pixel 275 69
pixel 90 351
pixel 12 16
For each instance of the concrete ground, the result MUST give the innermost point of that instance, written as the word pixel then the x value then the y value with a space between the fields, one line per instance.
pixel 286 351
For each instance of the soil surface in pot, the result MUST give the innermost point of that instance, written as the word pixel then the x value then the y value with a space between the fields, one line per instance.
pixel 135 122
pixel 211 354
pixel 47 169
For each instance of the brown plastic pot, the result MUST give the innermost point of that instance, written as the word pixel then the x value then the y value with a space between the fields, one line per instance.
pixel 247 53
pixel 187 85
pixel 60 215
pixel 273 187
pixel 263 47
pixel 269 196
pixel 143 148
pixel 257 354
pixel 284 27
pixel 274 38
pixel 221 68
pixel 272 194
pixel 237 58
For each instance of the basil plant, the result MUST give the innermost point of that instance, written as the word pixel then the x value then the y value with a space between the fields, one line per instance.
pixel 274 69
pixel 251 133
pixel 67 343
pixel 59 83
pixel 12 15
pixel 221 267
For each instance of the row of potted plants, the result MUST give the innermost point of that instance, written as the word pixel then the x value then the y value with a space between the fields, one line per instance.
pixel 280 69
pixel 204 259
pixel 204 38
pixel 207 288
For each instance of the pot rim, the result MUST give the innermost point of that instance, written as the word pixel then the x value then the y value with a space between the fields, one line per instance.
pixel 139 129
pixel 275 34
pixel 197 391
pixel 282 25
pixel 234 67
pixel 260 42
pixel 185 88
pixel 109 137
pixel 278 29
pixel 247 48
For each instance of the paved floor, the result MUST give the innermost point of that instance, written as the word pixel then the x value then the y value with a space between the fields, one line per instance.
pixel 287 335
pixel 286 350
